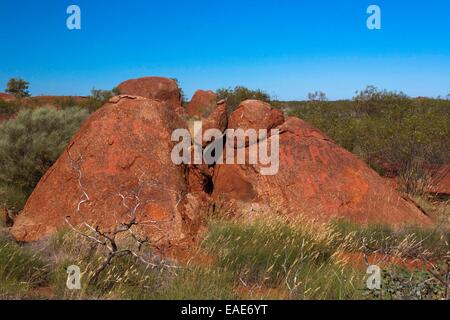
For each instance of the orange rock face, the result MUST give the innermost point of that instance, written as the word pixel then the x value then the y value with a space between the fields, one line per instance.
pixel 316 178
pixel 440 176
pixel 216 120
pixel 156 88
pixel 202 104
pixel 118 159
pixel 254 114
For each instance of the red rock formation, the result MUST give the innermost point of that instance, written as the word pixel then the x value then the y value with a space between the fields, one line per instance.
pixel 316 178
pixel 123 149
pixel 216 120
pixel 440 179
pixel 156 88
pixel 202 104
pixel 255 114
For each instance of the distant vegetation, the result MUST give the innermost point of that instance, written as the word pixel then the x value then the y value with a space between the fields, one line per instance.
pixel 98 98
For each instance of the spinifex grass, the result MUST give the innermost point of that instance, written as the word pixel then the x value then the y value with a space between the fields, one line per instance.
pixel 20 270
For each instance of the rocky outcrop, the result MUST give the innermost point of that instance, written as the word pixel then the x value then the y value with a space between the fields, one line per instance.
pixel 254 114
pixel 121 159
pixel 316 178
pixel 202 104
pixel 440 179
pixel 118 160
pixel 155 88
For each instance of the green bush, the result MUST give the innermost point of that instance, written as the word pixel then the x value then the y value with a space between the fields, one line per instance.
pixel 235 96
pixel 29 145
pixel 18 88
pixel 98 98
pixel 8 108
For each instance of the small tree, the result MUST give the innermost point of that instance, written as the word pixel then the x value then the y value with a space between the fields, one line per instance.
pixel 98 98
pixel 18 88
pixel 317 96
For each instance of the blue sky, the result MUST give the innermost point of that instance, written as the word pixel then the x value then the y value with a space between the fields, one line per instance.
pixel 286 47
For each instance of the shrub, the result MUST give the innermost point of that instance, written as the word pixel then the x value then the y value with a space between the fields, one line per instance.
pixel 235 96
pixel 18 88
pixel 8 108
pixel 29 145
pixel 98 98
pixel 370 100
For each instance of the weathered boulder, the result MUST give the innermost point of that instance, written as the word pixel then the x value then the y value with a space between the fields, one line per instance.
pixel 254 114
pixel 316 178
pixel 156 88
pixel 218 118
pixel 118 160
pixel 202 104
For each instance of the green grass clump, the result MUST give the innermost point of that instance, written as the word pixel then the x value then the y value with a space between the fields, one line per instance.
pixel 412 241
pixel 282 256
pixel 20 270
pixel 239 259
pixel 262 252
pixel 198 283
